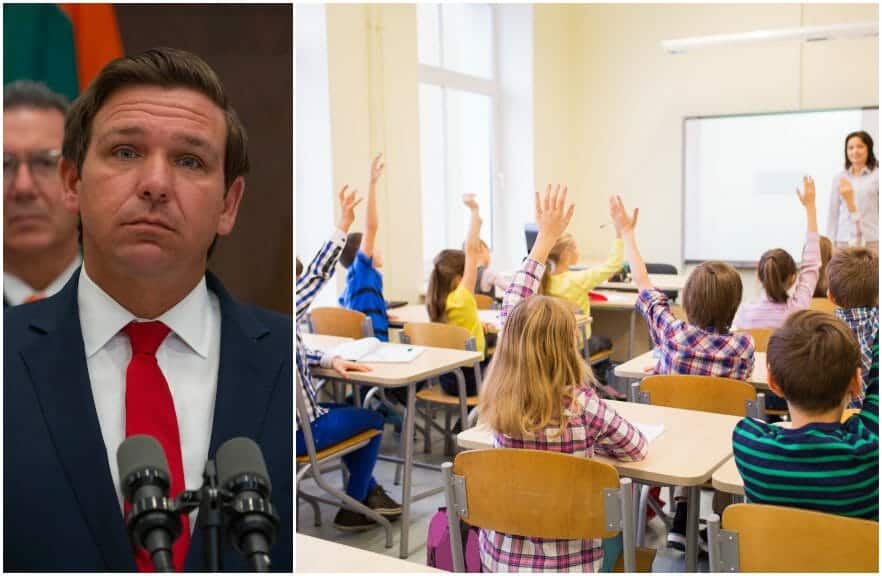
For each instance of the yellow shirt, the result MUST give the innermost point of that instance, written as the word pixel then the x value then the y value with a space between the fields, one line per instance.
pixel 575 284
pixel 462 310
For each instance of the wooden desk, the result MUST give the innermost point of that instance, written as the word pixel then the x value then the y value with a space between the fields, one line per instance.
pixel 430 363
pixel 727 479
pixel 317 555
pixel 670 282
pixel 418 313
pixel 693 445
pixel 629 339
pixel 637 369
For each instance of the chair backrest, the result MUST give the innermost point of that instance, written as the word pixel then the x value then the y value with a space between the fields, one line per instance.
pixel 760 337
pixel 334 321
pixel 438 335
pixel 783 539
pixel 660 268
pixel 483 301
pixel 703 393
pixel 822 305
pixel 530 493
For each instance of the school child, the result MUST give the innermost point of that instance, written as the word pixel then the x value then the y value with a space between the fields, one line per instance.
pixel 853 285
pixel 333 423
pixel 539 395
pixel 826 253
pixel 364 283
pixel 820 463
pixel 703 345
pixel 777 273
pixel 450 296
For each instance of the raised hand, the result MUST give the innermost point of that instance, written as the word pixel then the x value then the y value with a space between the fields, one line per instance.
pixel 552 213
pixel 621 220
pixel 471 201
pixel 847 193
pixel 377 167
pixel 349 199
pixel 807 197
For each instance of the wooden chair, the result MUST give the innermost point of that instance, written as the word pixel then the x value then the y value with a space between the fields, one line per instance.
pixel 760 337
pixel 335 321
pixel 312 462
pixel 530 493
pixel 762 538
pixel 822 305
pixel 484 302
pixel 441 335
pixel 678 312
pixel 702 393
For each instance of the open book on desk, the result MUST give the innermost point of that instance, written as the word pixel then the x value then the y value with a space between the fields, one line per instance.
pixel 372 350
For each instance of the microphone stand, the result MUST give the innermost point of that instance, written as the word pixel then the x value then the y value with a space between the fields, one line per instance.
pixel 211 518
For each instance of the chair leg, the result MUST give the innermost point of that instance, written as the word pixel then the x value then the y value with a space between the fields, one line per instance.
pixel 316 511
pixel 448 433
pixel 357 506
pixel 427 434
pixel 642 500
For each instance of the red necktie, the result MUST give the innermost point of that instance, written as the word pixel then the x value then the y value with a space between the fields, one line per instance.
pixel 150 410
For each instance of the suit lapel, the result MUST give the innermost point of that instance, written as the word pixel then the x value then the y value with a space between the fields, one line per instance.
pixel 57 364
pixel 247 375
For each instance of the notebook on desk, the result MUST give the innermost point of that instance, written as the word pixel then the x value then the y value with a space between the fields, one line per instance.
pixel 372 350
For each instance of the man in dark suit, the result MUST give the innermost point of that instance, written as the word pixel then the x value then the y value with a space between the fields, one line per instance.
pixel 40 249
pixel 141 340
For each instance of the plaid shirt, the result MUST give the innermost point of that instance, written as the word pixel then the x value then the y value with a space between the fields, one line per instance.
pixel 687 349
pixel 310 283
pixel 865 324
pixel 592 426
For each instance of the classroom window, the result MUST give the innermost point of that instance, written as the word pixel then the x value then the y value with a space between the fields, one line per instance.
pixel 460 117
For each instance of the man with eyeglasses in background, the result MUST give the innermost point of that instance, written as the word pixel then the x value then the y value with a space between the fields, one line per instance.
pixel 40 246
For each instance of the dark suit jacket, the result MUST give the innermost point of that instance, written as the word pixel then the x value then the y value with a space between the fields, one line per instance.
pixel 60 508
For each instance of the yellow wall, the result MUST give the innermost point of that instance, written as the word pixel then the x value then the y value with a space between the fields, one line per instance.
pixel 608 106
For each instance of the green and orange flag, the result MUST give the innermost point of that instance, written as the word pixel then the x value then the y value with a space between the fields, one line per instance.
pixel 61 45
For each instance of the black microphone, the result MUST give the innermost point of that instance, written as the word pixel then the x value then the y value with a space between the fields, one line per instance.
pixel 145 480
pixel 254 524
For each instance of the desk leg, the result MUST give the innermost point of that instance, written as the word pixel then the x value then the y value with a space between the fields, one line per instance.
pixel 694 506
pixel 406 487
pixel 631 322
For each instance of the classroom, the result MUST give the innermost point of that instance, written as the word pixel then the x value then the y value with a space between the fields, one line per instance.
pixel 590 287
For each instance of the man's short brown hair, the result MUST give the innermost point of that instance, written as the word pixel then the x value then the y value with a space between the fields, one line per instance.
pixel 712 295
pixel 813 357
pixel 853 277
pixel 167 68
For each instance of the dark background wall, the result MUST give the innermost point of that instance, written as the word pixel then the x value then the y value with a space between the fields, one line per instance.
pixel 250 47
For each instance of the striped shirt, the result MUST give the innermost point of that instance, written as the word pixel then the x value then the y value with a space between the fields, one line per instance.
pixel 592 427
pixel 310 283
pixel 827 467
pixel 769 314
pixel 864 322
pixel 687 349
pixel 364 292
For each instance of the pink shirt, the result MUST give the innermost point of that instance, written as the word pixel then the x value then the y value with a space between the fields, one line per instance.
pixel 768 314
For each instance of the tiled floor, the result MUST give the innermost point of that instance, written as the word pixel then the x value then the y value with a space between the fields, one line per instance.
pixel 666 560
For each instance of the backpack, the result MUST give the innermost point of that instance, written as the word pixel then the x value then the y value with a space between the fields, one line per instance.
pixel 438 554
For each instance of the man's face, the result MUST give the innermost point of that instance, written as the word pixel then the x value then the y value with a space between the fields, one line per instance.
pixel 34 216
pixel 151 190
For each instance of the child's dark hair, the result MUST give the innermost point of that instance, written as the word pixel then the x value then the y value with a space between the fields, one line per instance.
pixel 826 254
pixel 813 357
pixel 448 264
pixel 350 250
pixel 299 267
pixel 775 269
pixel 712 295
pixel 853 278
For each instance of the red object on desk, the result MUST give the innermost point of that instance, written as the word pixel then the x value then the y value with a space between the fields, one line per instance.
pixel 597 297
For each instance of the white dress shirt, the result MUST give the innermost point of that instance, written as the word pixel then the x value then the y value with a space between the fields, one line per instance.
pixel 16 290
pixel 841 225
pixel 188 357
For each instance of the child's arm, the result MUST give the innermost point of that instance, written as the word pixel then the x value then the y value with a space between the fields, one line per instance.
pixel 472 245
pixel 847 193
pixel 321 269
pixel 552 216
pixel 625 225
pixel 589 279
pixel 614 435
pixel 372 221
pixel 833 213
pixel 869 413
pixel 811 253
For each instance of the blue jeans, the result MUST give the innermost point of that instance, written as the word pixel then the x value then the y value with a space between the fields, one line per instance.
pixel 342 422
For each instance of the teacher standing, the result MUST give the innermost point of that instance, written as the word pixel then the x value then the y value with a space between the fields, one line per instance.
pixel 853 219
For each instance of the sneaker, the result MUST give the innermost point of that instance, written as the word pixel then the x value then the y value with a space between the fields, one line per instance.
pixel 349 521
pixel 677 533
pixel 378 501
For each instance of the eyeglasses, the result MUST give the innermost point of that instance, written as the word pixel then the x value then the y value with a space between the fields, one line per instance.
pixel 42 165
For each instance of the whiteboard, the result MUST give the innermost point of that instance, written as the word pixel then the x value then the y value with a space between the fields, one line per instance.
pixel 740 175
